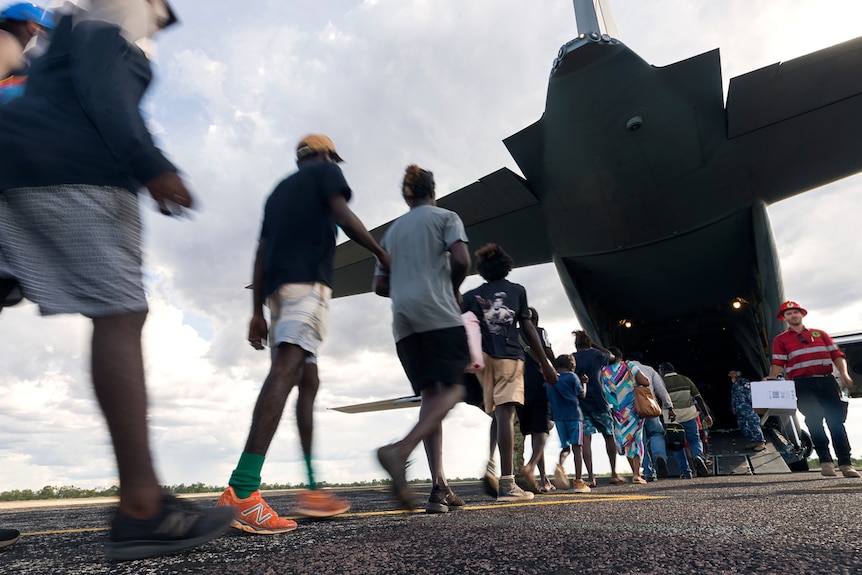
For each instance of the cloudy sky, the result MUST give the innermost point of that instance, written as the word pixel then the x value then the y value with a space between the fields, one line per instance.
pixel 439 83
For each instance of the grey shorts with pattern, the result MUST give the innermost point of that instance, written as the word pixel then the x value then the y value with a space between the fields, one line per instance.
pixel 74 248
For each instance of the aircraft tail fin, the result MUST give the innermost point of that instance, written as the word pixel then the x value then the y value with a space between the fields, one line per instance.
pixel 595 16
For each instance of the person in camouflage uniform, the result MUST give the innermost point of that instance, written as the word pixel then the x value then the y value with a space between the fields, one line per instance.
pixel 740 404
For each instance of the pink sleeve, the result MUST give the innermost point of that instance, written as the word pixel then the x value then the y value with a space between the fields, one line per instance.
pixel 474 341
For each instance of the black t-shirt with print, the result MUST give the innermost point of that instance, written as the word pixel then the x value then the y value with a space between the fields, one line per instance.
pixel 500 306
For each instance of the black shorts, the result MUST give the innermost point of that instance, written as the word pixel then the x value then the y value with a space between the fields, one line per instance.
pixel 432 356
pixel 535 414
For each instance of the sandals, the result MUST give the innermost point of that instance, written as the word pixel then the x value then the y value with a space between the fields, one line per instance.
pixel 547 487
pixel 529 481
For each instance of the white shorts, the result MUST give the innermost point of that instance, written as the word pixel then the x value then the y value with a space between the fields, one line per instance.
pixel 298 315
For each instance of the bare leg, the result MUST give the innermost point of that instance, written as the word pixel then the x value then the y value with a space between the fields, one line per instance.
pixel 539 441
pixel 434 451
pixel 528 471
pixel 493 440
pixel 505 415
pixel 118 382
pixel 437 400
pixel 588 459
pixel 635 463
pixel 564 454
pixel 309 383
pixel 308 387
pixel 283 375
pixel 611 447
pixel 576 450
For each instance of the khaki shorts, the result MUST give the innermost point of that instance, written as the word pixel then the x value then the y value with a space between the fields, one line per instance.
pixel 298 315
pixel 502 382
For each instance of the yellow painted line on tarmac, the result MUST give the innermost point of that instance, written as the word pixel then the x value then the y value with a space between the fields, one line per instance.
pixel 62 531
pixel 544 500
pixel 568 499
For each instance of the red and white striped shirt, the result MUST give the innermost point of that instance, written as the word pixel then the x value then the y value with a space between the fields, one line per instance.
pixel 807 353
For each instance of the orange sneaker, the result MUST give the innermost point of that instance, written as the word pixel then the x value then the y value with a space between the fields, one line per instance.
pixel 319 503
pixel 254 515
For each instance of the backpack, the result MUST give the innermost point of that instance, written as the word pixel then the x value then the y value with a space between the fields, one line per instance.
pixel 674 436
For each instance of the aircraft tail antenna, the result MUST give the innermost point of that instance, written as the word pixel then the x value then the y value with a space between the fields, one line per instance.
pixel 595 16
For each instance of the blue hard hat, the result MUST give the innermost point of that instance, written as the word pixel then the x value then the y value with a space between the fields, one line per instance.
pixel 27 12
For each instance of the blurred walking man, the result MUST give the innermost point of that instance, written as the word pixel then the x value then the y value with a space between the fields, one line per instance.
pixel 293 272
pixel 74 151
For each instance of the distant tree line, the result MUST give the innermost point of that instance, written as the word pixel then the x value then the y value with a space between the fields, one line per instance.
pixel 72 492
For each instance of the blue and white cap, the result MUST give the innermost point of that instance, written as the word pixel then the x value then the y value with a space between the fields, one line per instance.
pixel 28 12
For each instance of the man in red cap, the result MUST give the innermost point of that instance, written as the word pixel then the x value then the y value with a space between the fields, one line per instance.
pixel 806 356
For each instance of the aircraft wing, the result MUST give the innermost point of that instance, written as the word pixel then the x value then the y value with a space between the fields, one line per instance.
pixel 383 405
pixel 800 121
pixel 499 208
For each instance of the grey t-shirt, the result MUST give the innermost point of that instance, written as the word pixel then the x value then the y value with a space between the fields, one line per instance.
pixel 420 277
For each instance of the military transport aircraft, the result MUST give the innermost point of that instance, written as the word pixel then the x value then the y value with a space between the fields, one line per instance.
pixel 652 191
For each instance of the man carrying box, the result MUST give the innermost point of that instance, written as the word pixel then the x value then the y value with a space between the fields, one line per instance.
pixel 806 356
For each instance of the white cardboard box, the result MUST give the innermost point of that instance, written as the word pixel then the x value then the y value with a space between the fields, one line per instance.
pixel 775 395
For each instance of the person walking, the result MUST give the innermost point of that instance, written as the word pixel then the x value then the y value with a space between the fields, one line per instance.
pixel 686 403
pixel 293 273
pixel 655 449
pixel 619 379
pixel 590 358
pixel 806 356
pixel 428 247
pixel 534 417
pixel 564 397
pixel 19 24
pixel 502 309
pixel 74 152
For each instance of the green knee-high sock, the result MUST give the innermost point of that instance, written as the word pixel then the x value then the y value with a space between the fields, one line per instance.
pixel 245 479
pixel 308 467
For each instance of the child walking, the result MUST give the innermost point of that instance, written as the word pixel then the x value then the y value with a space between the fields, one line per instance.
pixel 566 413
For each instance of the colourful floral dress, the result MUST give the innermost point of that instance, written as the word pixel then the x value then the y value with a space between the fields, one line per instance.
pixel 618 384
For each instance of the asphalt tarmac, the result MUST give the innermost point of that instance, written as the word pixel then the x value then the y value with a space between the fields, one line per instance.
pixel 788 523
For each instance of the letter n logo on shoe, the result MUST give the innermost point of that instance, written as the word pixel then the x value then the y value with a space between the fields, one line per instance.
pixel 177 524
pixel 263 514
